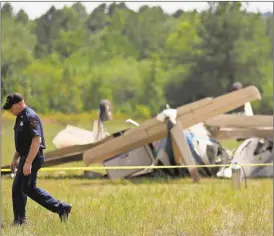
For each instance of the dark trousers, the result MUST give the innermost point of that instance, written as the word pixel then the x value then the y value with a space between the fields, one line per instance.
pixel 25 186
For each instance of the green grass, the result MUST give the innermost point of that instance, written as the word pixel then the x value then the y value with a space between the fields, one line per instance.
pixel 148 207
pixel 139 207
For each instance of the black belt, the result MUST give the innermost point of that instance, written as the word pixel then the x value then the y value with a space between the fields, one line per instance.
pixel 25 154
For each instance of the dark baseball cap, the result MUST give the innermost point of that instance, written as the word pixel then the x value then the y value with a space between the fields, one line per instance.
pixel 12 98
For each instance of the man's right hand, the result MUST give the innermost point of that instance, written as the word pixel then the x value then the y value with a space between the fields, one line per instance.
pixel 14 165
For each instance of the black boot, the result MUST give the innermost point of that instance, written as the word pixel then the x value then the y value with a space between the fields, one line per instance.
pixel 63 215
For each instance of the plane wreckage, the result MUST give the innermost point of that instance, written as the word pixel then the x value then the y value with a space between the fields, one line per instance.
pixel 187 135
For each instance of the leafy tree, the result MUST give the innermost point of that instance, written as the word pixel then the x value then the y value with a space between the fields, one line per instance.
pixel 22 17
pixel 17 48
pixel 98 19
pixel 232 49
pixel 7 10
pixel 69 42
pixel 138 60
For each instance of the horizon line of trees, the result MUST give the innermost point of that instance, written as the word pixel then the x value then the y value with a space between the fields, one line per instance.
pixel 68 60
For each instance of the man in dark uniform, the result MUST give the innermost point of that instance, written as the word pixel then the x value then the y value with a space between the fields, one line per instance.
pixel 28 159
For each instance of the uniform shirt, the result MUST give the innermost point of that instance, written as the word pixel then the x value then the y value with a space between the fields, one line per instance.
pixel 27 126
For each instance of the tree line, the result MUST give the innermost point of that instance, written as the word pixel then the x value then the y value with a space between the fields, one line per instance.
pixel 67 60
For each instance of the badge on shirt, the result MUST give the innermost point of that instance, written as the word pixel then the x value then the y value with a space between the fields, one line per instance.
pixel 33 122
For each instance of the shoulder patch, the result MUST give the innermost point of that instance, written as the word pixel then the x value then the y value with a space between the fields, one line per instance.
pixel 33 122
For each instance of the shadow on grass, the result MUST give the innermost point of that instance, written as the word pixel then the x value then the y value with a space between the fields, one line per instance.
pixel 148 179
pixel 137 180
pixel 144 180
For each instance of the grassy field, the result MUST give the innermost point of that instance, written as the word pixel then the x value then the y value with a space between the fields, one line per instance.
pixel 142 206
pixel 148 207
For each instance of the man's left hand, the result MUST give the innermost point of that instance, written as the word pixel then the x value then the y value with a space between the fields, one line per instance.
pixel 27 168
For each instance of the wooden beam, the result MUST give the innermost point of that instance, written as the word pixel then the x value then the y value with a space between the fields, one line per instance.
pixel 157 130
pixel 240 121
pixel 229 133
pixel 180 111
pixel 183 150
